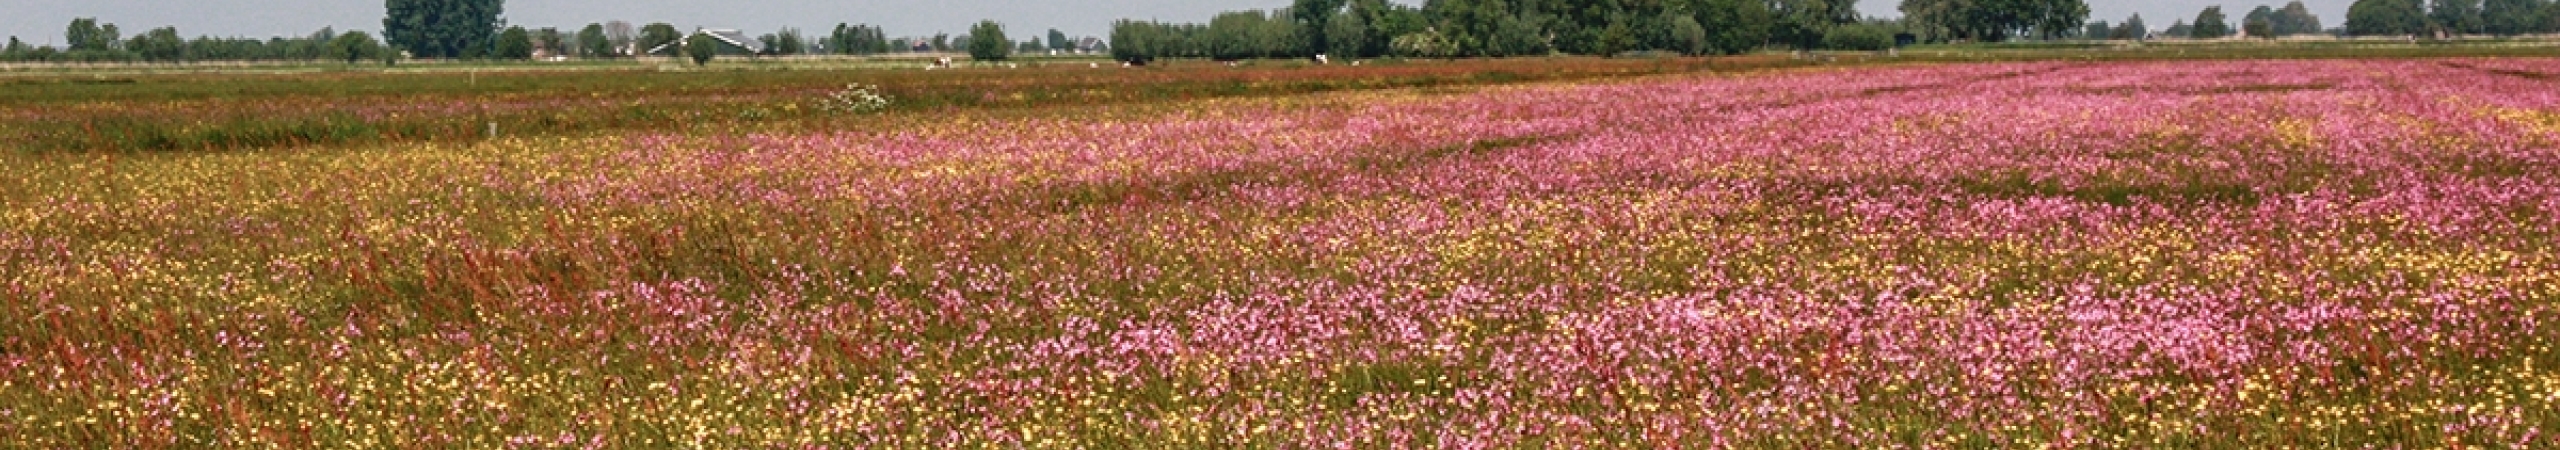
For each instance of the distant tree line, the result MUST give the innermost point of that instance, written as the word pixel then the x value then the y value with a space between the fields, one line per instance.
pixel 1344 28
pixel 1500 28
pixel 985 40
pixel 2364 18
pixel 446 28
pixel 2452 17
pixel 784 43
pixel 92 41
pixel 464 29
pixel 2262 22
pixel 1996 20
pixel 859 40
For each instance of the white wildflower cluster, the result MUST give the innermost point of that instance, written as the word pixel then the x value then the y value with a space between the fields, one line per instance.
pixel 855 98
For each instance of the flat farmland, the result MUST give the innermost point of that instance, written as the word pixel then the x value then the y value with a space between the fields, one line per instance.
pixel 2217 254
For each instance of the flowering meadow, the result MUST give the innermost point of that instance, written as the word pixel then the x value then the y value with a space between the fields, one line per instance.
pixel 2241 254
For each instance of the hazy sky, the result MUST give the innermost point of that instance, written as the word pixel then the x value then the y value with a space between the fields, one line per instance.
pixel 42 21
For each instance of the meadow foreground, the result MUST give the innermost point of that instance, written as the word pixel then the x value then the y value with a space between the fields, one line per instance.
pixel 2218 254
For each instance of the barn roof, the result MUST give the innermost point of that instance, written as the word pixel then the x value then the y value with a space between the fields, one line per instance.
pixel 734 37
pixel 726 35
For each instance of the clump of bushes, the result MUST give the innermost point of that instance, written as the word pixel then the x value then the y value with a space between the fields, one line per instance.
pixel 1858 37
pixel 702 48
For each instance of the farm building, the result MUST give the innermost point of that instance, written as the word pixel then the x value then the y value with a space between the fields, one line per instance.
pixel 732 42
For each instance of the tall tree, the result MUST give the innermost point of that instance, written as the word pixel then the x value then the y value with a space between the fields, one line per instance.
pixel 1231 34
pixel 2260 14
pixel 2133 28
pixel 1802 23
pixel 840 40
pixel 1465 24
pixel 1687 36
pixel 1941 19
pixel 701 48
pixel 2386 17
pixel 2550 18
pixel 622 34
pixel 1133 41
pixel 1616 37
pixel 788 42
pixel 2296 19
pixel 81 32
pixel 2058 17
pixel 2210 24
pixel 655 35
pixel 987 42
pixel 442 28
pixel 1734 26
pixel 2511 17
pixel 1348 34
pixel 515 43
pixel 1995 20
pixel 2457 16
pixel 872 41
pixel 1058 41
pixel 1313 16
pixel 1385 21
pixel 552 40
pixel 1516 35
pixel 160 44
pixel 86 34
pixel 109 31
pixel 1279 37
pixel 593 42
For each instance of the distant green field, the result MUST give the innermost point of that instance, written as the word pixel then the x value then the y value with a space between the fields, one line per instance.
pixel 197 108
pixel 231 106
